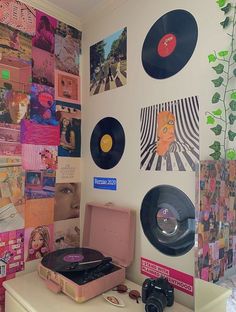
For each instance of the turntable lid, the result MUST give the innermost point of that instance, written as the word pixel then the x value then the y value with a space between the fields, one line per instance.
pixel 110 230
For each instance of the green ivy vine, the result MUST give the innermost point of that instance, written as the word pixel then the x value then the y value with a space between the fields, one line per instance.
pixel 223 117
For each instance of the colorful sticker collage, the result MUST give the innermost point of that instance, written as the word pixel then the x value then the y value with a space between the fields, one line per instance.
pixel 216 226
pixel 39 174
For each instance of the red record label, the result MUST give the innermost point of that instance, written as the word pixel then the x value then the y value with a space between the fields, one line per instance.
pixel 166 45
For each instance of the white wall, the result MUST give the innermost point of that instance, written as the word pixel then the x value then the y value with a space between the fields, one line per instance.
pixel 125 103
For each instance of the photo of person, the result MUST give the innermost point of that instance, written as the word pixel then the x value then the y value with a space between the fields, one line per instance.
pixel 67 201
pixel 67 233
pixel 39 243
pixel 69 138
pixel 13 106
pixel 67 48
pixel 45 32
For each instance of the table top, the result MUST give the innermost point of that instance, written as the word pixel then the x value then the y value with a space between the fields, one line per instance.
pixel 31 292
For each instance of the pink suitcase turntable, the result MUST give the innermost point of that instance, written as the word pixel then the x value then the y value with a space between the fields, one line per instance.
pixel 83 273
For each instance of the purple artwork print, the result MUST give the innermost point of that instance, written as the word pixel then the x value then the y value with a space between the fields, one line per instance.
pixel 42 105
pixel 45 32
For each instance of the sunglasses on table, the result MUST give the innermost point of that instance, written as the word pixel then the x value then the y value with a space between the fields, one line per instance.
pixel 133 294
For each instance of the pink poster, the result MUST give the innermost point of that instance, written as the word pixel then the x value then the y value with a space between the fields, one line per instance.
pixel 33 133
pixel 45 32
pixel 179 280
pixel 10 140
pixel 11 252
pixel 38 241
pixel 39 157
pixel 18 15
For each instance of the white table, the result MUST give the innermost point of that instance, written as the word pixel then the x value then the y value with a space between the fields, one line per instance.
pixel 28 293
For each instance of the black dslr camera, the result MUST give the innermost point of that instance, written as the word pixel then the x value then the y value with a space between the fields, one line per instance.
pixel 157 294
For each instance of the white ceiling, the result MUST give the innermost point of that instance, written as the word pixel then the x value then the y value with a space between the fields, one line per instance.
pixel 79 8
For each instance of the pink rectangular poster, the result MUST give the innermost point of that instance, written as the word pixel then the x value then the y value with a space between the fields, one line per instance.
pixel 179 280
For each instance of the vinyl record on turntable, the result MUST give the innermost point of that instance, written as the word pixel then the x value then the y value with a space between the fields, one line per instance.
pixel 72 259
pixel 169 44
pixel 107 143
pixel 168 220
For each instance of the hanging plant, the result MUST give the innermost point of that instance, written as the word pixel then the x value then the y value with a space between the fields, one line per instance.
pixel 222 118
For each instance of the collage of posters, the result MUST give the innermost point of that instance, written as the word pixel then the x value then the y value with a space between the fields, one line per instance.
pixel 216 225
pixel 40 136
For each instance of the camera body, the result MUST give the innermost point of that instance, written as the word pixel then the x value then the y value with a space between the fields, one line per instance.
pixel 157 294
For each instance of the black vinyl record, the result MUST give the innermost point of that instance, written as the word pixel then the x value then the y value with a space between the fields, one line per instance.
pixel 168 220
pixel 72 259
pixel 169 44
pixel 107 143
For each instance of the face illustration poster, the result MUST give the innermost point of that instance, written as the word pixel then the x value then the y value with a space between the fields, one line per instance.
pixel 108 63
pixel 169 136
pixel 38 241
pixel 67 87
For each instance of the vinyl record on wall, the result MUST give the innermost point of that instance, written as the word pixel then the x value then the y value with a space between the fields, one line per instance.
pixel 168 220
pixel 107 143
pixel 169 44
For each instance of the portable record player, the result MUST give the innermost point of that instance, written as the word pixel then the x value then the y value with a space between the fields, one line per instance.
pixel 108 247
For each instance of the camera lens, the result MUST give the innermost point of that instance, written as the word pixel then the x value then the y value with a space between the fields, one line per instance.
pixel 156 303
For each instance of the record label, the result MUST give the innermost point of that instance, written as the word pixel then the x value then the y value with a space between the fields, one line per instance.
pixel 72 259
pixel 168 220
pixel 107 143
pixel 166 45
pixel 169 44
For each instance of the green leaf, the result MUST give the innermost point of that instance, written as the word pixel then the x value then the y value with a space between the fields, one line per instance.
pixel 232 118
pixel 212 58
pixel 210 120
pixel 234 72
pixel 216 155
pixel 219 68
pixel 223 54
pixel 227 8
pixel 226 22
pixel 215 146
pixel 215 98
pixel 231 135
pixel 221 3
pixel 217 130
pixel 234 57
pixel 218 82
pixel 231 154
pixel 233 96
pixel 217 112
pixel 232 105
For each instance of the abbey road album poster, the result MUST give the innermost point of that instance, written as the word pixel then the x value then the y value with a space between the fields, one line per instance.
pixel 108 63
pixel 169 138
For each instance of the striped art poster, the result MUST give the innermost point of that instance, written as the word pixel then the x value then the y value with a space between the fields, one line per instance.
pixel 169 135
